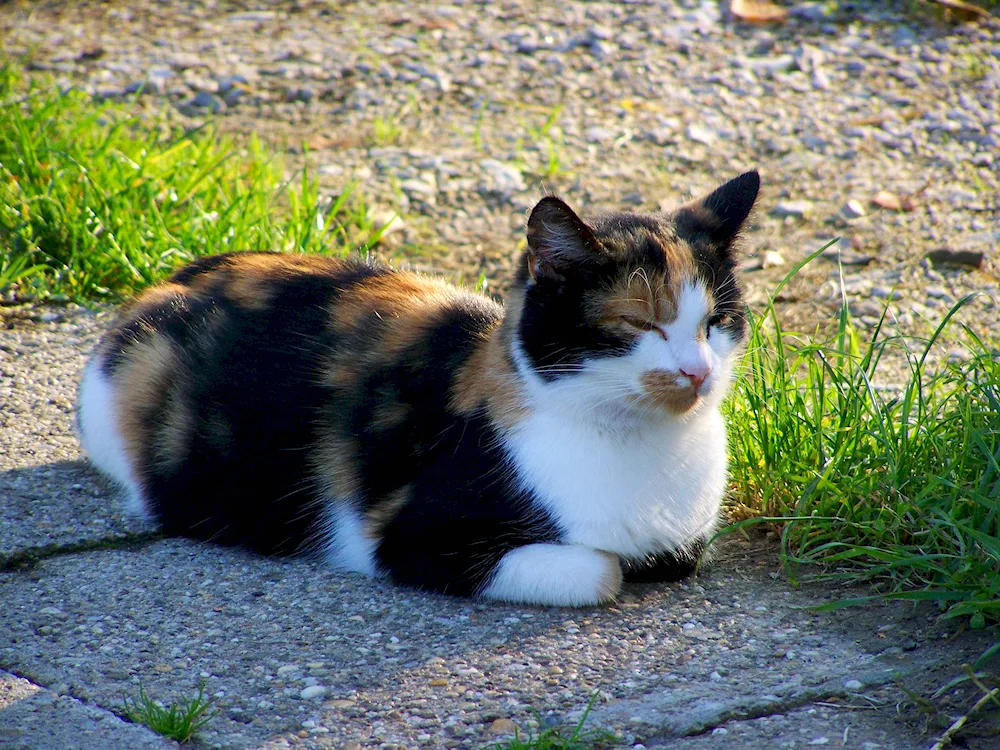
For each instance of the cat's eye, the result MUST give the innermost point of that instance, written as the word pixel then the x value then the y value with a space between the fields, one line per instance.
pixel 718 320
pixel 641 323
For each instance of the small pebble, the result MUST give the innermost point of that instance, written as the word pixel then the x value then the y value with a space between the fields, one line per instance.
pixel 772 259
pixel 853 209
pixel 502 726
pixel 701 134
pixel 797 209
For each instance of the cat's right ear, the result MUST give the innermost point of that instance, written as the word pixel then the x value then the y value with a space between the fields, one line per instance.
pixel 720 215
pixel 558 240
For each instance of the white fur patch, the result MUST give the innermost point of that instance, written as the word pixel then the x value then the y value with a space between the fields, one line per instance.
pixel 101 438
pixel 555 574
pixel 618 475
pixel 646 490
pixel 348 546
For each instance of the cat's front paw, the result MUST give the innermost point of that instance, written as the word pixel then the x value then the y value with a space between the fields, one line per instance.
pixel 560 575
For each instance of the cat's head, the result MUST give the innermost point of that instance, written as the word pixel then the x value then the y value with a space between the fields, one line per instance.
pixel 638 314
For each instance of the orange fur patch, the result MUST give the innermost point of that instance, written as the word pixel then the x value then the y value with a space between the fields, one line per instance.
pixel 644 296
pixel 250 280
pixel 389 414
pixel 334 461
pixel 406 300
pixel 143 382
pixel 488 379
pixel 382 513
pixel 665 390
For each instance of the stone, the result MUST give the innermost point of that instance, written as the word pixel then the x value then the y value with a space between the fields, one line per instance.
pixel 769 65
pixel 598 135
pixel 300 94
pixel 206 100
pixel 389 222
pixel 660 135
pixel 794 208
pixel 814 12
pixel 501 727
pixel 701 134
pixel 312 692
pixel 961 258
pixel 772 259
pixel 852 209
pixel 503 179
pixel 419 190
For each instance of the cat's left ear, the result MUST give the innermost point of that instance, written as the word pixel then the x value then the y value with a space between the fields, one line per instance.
pixel 559 242
pixel 719 215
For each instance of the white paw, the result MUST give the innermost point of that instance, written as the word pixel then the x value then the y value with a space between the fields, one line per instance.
pixel 561 575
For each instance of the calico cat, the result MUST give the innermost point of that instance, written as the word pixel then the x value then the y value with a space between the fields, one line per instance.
pixel 396 425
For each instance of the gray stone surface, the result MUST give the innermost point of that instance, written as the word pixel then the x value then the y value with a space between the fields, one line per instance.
pixel 408 668
pixel 33 718
pixel 292 653
pixel 49 499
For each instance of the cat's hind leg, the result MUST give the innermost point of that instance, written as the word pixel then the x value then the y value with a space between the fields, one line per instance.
pixel 555 574
pixel 97 421
pixel 666 567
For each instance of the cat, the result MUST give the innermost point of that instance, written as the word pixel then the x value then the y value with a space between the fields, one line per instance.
pixel 399 426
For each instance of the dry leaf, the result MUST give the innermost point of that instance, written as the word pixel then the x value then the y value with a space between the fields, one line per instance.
pixel 758 11
pixel 893 202
pixel 885 199
pixel 962 10
pixel 92 52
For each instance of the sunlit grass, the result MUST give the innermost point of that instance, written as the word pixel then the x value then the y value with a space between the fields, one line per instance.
pixel 873 475
pixel 97 203
pixel 178 721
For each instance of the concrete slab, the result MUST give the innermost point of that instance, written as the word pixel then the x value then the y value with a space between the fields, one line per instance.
pixel 49 499
pixel 292 652
pixel 33 718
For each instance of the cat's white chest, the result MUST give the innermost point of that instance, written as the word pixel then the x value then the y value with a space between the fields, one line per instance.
pixel 653 489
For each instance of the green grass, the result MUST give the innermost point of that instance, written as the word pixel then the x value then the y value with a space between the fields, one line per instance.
pixel 96 202
pixel 386 131
pixel 897 486
pixel 179 721
pixel 556 738
pixel 547 140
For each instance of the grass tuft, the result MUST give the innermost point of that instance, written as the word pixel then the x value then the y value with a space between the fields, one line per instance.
pixel 875 475
pixel 554 738
pixel 179 721
pixel 96 203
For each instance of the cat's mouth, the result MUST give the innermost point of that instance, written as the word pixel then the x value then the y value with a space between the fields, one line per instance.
pixel 670 391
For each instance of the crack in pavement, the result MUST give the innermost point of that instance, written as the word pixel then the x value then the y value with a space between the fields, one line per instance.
pixel 660 713
pixel 29 557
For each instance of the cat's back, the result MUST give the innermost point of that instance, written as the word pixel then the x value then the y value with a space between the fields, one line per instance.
pixel 215 382
pixel 287 306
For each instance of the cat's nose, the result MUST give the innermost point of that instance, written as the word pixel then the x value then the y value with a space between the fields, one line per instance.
pixel 696 374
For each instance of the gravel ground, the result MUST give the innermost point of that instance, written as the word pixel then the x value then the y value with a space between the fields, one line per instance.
pixel 438 112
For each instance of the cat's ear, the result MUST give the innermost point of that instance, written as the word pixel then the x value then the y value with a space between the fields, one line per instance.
pixel 558 240
pixel 720 214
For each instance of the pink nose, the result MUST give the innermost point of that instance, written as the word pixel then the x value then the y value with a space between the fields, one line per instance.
pixel 697 376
